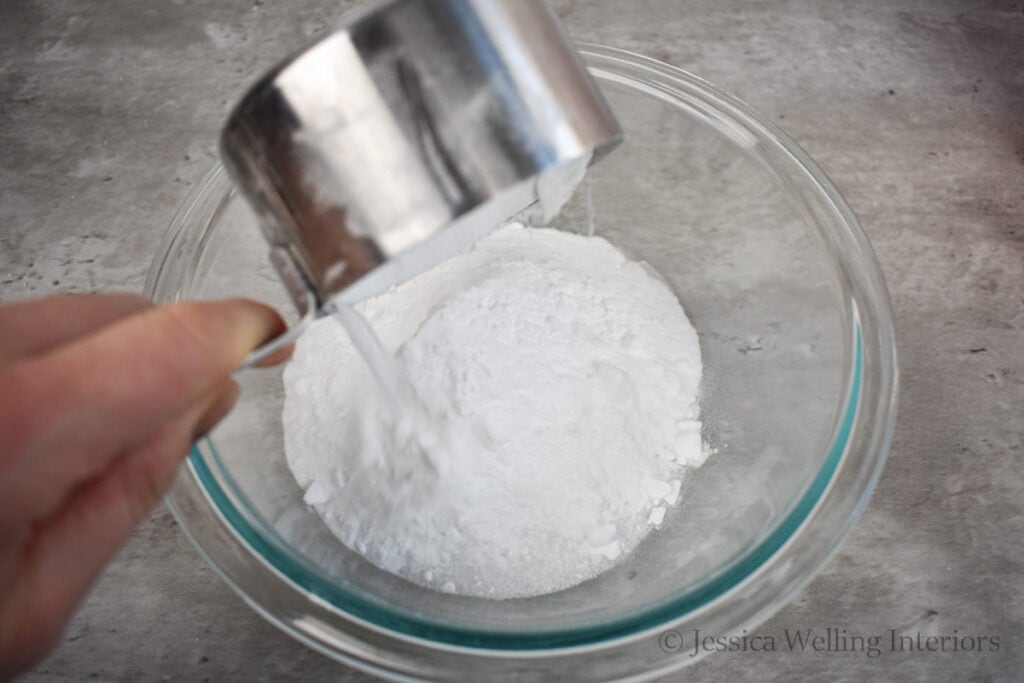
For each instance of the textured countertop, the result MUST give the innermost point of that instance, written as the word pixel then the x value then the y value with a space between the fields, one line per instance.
pixel 108 117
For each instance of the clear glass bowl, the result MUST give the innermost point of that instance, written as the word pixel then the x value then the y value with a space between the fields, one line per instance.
pixel 798 399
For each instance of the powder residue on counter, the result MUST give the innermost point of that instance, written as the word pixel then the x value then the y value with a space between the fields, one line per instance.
pixel 549 411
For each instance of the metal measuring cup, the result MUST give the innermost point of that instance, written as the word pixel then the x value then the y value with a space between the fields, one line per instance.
pixel 405 134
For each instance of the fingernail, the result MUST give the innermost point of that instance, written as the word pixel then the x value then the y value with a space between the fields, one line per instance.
pixel 255 323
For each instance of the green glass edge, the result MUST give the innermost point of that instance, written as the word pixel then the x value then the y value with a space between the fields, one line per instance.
pixel 651 619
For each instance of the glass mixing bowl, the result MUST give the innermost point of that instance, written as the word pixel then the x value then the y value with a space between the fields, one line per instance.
pixel 798 402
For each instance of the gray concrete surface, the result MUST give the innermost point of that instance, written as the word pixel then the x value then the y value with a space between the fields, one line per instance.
pixel 108 115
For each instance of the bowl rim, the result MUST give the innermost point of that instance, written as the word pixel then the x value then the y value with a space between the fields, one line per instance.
pixel 345 623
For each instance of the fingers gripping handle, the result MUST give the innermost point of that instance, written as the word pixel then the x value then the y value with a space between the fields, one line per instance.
pixel 305 299
pixel 282 340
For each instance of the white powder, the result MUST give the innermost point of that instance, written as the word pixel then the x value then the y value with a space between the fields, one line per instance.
pixel 551 392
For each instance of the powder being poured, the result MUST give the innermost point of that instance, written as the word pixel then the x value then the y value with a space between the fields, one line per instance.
pixel 552 394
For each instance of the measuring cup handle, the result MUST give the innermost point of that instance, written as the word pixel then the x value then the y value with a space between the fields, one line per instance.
pixel 285 338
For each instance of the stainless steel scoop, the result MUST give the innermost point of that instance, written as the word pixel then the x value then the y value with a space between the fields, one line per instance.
pixel 405 135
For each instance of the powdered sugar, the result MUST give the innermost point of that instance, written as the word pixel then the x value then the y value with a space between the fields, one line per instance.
pixel 551 394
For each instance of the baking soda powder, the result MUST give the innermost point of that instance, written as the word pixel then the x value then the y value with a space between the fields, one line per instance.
pixel 548 409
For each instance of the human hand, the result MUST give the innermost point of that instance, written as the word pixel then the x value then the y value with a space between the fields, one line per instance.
pixel 101 398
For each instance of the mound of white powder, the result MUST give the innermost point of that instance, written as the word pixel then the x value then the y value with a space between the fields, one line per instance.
pixel 550 410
